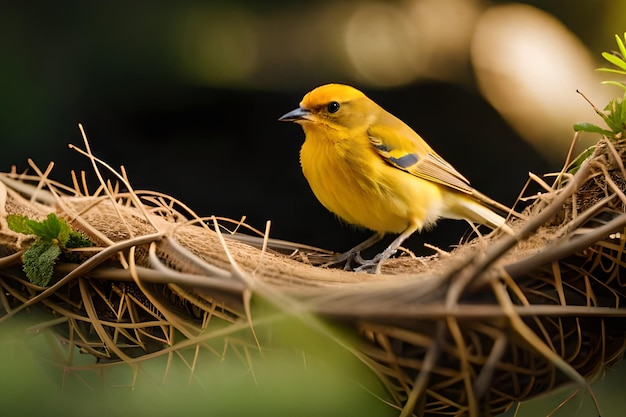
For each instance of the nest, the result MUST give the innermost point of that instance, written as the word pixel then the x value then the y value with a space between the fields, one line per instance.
pixel 497 321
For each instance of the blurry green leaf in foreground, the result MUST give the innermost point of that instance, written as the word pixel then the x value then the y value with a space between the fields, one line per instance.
pixel 303 374
pixel 298 372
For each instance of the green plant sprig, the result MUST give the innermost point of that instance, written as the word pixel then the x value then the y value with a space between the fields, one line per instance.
pixel 616 58
pixel 53 236
pixel 614 114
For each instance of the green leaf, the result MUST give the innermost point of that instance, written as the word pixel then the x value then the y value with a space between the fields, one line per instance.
pixel 53 234
pixel 52 229
pixel 614 116
pixel 41 229
pixel 39 262
pixel 609 114
pixel 611 70
pixel 615 60
pixel 19 224
pixel 620 44
pixel 78 240
pixel 64 232
pixel 575 165
pixel 618 84
pixel 591 128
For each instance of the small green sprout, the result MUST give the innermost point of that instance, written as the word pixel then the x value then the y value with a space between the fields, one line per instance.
pixel 574 166
pixel 53 235
pixel 614 114
pixel 616 58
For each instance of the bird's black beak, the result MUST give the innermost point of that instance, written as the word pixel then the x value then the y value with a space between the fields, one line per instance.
pixel 295 115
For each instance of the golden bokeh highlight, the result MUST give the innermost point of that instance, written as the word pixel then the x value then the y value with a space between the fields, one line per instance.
pixel 383 45
pixel 446 28
pixel 528 65
pixel 395 43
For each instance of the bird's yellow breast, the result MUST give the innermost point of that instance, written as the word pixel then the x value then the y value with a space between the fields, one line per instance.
pixel 352 181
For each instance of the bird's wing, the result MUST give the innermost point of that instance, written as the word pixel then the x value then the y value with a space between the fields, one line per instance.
pixel 414 156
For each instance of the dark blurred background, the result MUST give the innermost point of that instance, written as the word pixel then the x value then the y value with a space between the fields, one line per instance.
pixel 186 95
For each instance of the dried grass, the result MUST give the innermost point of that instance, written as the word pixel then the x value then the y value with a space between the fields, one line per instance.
pixel 497 321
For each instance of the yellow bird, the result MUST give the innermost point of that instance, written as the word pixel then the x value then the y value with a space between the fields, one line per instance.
pixel 372 170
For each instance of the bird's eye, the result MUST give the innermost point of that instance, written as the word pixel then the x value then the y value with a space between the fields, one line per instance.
pixel 333 107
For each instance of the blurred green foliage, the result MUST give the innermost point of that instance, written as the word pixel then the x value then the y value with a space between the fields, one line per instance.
pixel 303 373
pixel 298 372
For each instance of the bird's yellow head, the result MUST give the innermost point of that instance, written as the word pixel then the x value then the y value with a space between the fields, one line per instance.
pixel 333 106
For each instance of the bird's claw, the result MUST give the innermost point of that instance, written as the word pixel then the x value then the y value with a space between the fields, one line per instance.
pixel 374 265
pixel 371 266
pixel 349 258
pixel 346 258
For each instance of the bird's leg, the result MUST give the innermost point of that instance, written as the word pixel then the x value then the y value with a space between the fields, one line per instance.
pixel 378 260
pixel 348 256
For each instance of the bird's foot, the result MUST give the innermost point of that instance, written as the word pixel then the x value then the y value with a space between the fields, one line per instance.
pixel 354 254
pixel 345 258
pixel 374 265
pixel 354 257
pixel 371 266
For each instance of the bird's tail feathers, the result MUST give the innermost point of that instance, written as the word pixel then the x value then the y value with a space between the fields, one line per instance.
pixel 489 202
pixel 474 211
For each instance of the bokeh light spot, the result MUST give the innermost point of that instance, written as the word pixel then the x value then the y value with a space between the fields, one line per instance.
pixel 217 46
pixel 383 45
pixel 446 28
pixel 528 65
